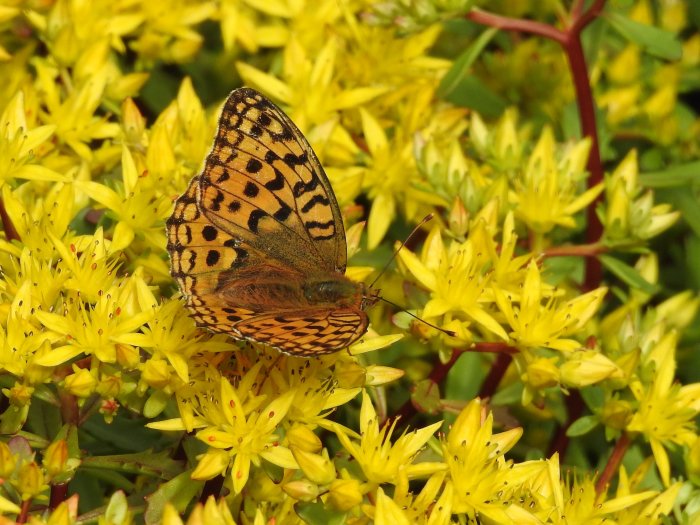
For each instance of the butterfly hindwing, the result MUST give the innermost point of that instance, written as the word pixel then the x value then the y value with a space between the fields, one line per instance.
pixel 308 333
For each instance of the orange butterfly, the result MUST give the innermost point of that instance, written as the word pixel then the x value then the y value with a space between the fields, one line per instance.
pixel 257 243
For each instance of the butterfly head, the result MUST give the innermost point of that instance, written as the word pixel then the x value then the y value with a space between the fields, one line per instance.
pixel 370 296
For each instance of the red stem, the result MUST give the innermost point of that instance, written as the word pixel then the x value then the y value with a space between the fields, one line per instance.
pixel 581 250
pixel 440 371
pixel 574 410
pixel 58 494
pixel 492 380
pixel 586 110
pixel 9 228
pixel 613 463
pixel 24 512
pixel 516 24
pixel 570 40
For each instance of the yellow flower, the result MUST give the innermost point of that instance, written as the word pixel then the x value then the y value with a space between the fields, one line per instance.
pixel 344 494
pixel 20 147
pixel 93 330
pixel 431 506
pixel 37 219
pixel 548 192
pixel 73 114
pixel 30 481
pixel 459 285
pixel 381 461
pixel 81 383
pixel 477 468
pixel 243 23
pixel 534 324
pixel 239 429
pixel 643 510
pixel 167 31
pixel 580 504
pixel 586 367
pixel 140 207
pixel 387 512
pixel 631 215
pixel 309 88
pixel 667 411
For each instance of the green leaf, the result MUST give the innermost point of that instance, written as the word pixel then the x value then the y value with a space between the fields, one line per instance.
pixel 508 395
pixel 680 175
pixel 179 491
pixel 460 67
pixel 117 508
pixel 692 256
pixel 582 425
pixel 473 93
pixel 628 274
pixel 593 396
pixel 319 514
pixel 149 463
pixel 690 208
pixel 657 42
pixel 426 397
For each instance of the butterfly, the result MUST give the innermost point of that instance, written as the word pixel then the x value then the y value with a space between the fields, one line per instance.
pixel 256 242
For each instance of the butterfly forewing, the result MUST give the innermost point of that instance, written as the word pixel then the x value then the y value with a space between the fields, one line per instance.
pixel 198 253
pixel 262 182
pixel 259 231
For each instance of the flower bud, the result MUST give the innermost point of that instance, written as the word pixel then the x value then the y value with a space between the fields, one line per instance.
pixel 616 414
pixel 345 494
pixel 542 373
pixel 30 480
pixel 55 457
pixel 317 467
pixel 81 383
pixel 302 490
pixel 301 437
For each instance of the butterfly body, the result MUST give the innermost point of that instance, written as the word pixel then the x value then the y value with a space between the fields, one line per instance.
pixel 257 243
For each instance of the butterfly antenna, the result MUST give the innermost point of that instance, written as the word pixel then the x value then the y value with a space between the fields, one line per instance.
pixel 427 218
pixel 431 325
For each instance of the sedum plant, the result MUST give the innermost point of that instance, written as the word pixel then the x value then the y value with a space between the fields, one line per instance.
pixel 552 375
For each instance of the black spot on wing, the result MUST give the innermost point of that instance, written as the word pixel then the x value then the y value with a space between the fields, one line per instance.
pixel 251 189
pixel 302 187
pixel 253 166
pixel 254 219
pixel 212 257
pixel 283 212
pixel 277 183
pixel 209 233
pixel 313 201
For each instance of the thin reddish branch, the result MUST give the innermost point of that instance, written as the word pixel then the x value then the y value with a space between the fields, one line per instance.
pixel 577 9
pixel 24 512
pixel 613 463
pixel 574 410
pixel 582 20
pixel 58 494
pixel 496 348
pixel 586 111
pixel 516 24
pixel 7 226
pixel 581 250
pixel 493 379
pixel 439 373
pixel 570 40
